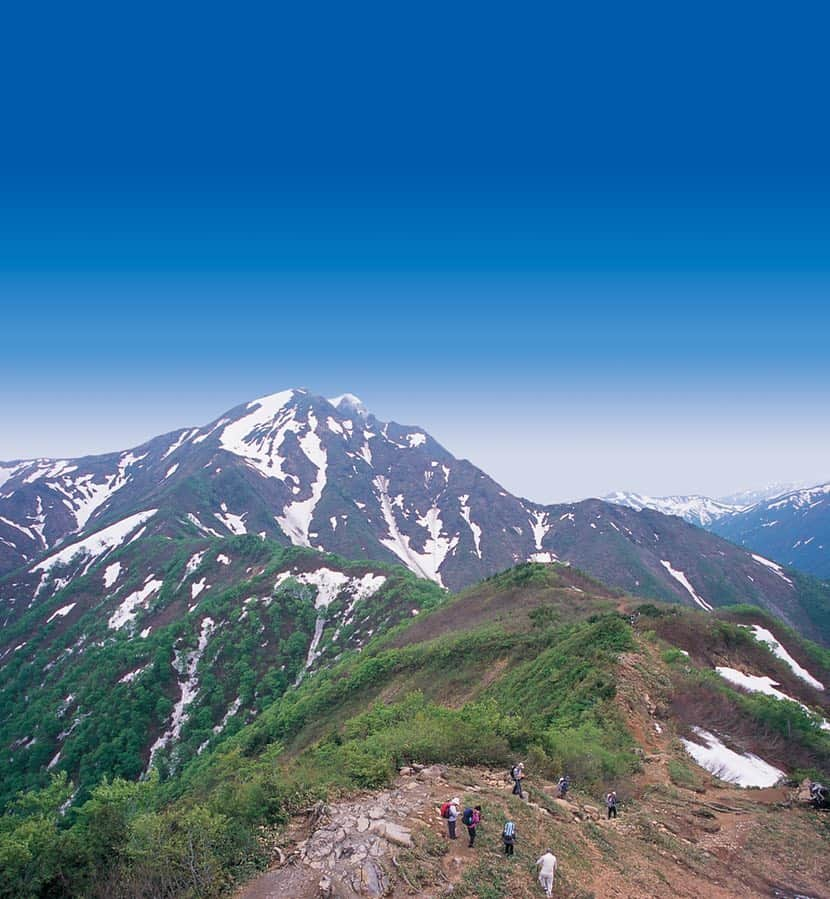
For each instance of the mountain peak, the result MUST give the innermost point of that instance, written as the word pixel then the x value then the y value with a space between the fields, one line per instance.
pixel 348 402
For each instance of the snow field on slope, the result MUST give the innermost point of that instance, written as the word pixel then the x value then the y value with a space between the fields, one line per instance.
pixel 125 613
pixel 98 543
pixel 755 683
pixel 296 518
pixel 436 547
pixel 765 636
pixel 744 770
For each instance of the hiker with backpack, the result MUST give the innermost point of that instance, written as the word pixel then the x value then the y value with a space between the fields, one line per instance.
pixel 508 837
pixel 547 871
pixel 564 785
pixel 471 819
pixel 517 773
pixel 449 810
pixel 611 802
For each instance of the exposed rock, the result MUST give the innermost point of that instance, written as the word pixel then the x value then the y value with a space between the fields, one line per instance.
pixel 362 824
pixel 398 834
pixel 433 772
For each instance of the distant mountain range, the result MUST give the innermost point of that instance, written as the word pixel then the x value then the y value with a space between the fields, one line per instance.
pixel 326 474
pixel 791 526
pixel 696 509
pixel 794 529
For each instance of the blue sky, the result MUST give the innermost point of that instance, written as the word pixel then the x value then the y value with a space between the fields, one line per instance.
pixel 586 253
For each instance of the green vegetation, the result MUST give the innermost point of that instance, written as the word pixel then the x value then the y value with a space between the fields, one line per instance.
pixel 191 831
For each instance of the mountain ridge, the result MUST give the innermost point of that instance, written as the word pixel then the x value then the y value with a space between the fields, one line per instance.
pixel 294 468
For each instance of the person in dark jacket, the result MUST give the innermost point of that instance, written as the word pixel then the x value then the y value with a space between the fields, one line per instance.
pixel 517 773
pixel 475 819
pixel 611 802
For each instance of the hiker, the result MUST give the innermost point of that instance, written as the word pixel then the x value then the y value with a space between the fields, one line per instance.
pixel 452 816
pixel 471 819
pixel 508 837
pixel 517 772
pixel 564 785
pixel 547 866
pixel 611 802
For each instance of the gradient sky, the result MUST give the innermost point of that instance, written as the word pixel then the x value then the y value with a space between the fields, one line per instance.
pixel 586 251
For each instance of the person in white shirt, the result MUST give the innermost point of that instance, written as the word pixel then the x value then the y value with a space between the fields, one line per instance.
pixel 453 816
pixel 547 866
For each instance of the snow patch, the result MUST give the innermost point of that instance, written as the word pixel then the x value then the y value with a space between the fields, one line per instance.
pixel 744 770
pixel 684 582
pixel 296 518
pixel 464 501
pixel 111 574
pixel 126 612
pixel 234 523
pixel 196 588
pixel 222 559
pixel 172 470
pixel 97 544
pixel 765 636
pixel 436 547
pixel 416 440
pixel 540 525
pixel 773 566
pixel 62 612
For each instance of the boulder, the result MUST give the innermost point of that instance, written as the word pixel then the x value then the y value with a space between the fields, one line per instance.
pixel 433 772
pixel 398 834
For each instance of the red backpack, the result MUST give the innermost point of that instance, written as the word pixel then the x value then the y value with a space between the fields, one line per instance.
pixel 445 810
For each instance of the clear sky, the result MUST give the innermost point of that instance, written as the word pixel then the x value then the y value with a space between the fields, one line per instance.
pixel 587 251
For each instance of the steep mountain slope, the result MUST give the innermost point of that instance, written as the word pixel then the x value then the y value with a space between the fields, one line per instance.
pixel 328 475
pixel 696 509
pixel 123 669
pixel 793 529
pixel 539 663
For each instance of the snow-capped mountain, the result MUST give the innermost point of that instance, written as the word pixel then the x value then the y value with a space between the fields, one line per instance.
pixel 793 529
pixel 328 475
pixel 747 498
pixel 696 509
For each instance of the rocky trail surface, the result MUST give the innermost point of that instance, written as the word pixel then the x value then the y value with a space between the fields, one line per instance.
pixel 713 842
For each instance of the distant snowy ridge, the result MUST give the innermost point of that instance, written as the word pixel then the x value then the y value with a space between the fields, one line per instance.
pixel 696 509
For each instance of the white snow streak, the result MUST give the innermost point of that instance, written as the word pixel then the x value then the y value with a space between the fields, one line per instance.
pixel 426 563
pixel 765 636
pixel 189 688
pixel 773 567
pixel 476 529
pixel 684 582
pixel 98 543
pixel 62 612
pixel 296 518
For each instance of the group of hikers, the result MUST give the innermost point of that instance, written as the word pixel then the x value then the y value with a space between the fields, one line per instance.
pixel 471 818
